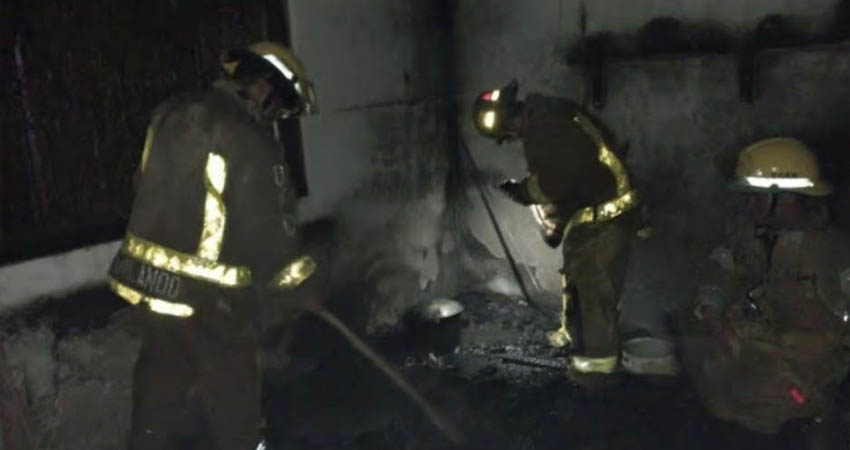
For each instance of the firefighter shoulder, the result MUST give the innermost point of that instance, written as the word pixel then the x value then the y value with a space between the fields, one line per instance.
pixel 214 209
pixel 783 362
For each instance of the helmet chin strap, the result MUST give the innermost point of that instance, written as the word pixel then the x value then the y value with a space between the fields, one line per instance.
pixel 777 218
pixel 769 217
pixel 771 212
pixel 268 108
pixel 280 112
pixel 267 102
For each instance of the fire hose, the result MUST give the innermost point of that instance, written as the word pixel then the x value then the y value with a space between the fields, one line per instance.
pixel 387 369
pixel 499 233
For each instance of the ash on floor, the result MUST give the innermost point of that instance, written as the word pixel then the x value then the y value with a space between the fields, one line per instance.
pixel 338 401
pixel 77 379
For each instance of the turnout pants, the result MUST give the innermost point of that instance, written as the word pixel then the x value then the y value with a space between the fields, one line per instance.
pixel 197 381
pixel 595 263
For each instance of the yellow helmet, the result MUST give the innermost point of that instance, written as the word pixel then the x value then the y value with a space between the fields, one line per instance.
pixel 491 108
pixel 780 165
pixel 281 68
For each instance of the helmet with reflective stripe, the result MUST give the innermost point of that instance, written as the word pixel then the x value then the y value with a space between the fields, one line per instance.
pixel 278 65
pixel 491 108
pixel 780 165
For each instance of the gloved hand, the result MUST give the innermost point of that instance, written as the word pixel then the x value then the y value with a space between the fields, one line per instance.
pixel 709 303
pixel 552 238
pixel 516 191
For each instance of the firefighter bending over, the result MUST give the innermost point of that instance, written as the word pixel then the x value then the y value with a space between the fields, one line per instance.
pixel 579 190
pixel 212 250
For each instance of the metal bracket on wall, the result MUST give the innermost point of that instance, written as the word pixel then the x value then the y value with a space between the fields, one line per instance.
pixel 670 39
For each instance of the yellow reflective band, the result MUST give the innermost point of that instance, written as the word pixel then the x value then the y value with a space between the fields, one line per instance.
pixel 584 364
pixel 294 273
pixel 132 296
pixel 216 173
pixel 605 211
pixel 561 337
pixel 614 208
pixel 212 235
pixel 606 156
pixel 168 308
pixel 215 213
pixel 188 265
pixel 584 215
pixel 156 305
pixel 146 151
pixel 616 167
pixel 602 212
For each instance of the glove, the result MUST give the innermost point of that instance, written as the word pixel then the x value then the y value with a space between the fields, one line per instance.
pixel 516 192
pixel 552 239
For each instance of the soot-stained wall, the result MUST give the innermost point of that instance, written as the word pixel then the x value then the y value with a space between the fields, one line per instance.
pixel 383 158
pixel 681 120
pixel 376 155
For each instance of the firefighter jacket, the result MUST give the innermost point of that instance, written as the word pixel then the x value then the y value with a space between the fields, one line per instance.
pixel 214 210
pixel 776 348
pixel 575 176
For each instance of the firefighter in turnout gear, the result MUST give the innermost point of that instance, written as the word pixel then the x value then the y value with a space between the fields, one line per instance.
pixel 212 247
pixel 765 340
pixel 579 191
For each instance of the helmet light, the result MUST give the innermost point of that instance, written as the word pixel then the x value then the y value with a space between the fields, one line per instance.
pixel 491 96
pixel 489 120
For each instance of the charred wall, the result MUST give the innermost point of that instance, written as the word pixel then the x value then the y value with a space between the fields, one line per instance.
pixel 391 201
pixel 378 155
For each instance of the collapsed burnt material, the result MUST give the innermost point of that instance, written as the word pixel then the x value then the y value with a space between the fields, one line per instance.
pixel 332 398
pixel 498 338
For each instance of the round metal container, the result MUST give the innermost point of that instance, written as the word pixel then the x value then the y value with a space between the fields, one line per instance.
pixel 438 310
pixel 650 356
